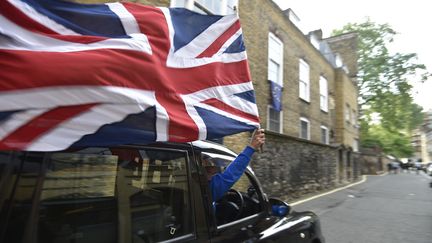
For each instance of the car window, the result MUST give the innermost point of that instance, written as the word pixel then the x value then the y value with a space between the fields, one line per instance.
pixel 95 195
pixel 241 201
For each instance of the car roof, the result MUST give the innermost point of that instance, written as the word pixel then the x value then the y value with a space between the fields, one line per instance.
pixel 212 147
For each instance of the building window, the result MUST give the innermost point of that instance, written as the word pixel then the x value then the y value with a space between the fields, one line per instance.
pixel 304 80
pixel 273 71
pixel 356 145
pixel 324 135
pixel 275 59
pixel 274 120
pixel 323 93
pixel 304 128
pixel 275 74
pixel 220 7
pixel 347 113
pixel 354 117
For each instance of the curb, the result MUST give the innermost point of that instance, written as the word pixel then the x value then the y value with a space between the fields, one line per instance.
pixel 330 192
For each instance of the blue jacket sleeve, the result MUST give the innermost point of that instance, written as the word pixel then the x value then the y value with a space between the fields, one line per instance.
pixel 222 182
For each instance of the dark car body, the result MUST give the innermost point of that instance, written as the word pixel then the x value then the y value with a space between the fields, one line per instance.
pixel 138 193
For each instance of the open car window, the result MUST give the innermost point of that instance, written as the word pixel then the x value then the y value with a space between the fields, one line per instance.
pixel 242 201
pixel 96 195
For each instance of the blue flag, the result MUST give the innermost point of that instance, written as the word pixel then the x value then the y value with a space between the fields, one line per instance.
pixel 276 95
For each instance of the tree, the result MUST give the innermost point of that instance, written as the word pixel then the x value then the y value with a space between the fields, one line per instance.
pixel 385 85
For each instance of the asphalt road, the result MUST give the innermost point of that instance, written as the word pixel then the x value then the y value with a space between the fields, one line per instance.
pixel 391 208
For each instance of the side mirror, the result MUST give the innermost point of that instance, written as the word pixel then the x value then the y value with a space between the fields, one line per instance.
pixel 279 208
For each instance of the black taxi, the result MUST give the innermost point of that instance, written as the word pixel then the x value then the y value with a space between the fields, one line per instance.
pixel 139 194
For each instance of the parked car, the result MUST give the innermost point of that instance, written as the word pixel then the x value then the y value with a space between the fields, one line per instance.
pixel 135 193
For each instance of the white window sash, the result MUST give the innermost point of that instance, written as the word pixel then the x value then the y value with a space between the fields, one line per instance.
pixel 275 55
pixel 304 80
pixel 323 93
pixel 326 139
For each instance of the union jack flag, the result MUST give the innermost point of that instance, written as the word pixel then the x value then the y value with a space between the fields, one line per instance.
pixel 102 74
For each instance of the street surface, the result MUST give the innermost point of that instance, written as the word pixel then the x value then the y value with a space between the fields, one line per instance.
pixel 393 208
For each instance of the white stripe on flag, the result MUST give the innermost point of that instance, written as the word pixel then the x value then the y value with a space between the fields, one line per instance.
pixel 41 19
pixel 225 94
pixel 229 42
pixel 227 114
pixel 240 104
pixel 193 113
pixel 17 120
pixel 70 131
pixel 129 22
pixel 175 60
pixel 207 37
pixel 13 37
pixel 76 95
pixel 162 123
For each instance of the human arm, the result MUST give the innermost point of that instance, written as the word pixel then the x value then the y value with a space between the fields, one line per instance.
pixel 221 183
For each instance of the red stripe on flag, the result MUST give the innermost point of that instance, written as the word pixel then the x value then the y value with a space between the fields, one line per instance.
pixel 119 68
pixel 153 24
pixel 223 106
pixel 218 43
pixel 23 136
pixel 182 127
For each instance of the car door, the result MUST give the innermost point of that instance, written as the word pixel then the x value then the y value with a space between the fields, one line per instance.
pixel 238 215
pixel 113 194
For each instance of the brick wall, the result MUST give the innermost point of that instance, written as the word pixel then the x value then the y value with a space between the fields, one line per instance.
pixel 290 168
pixel 373 161
pixel 346 132
pixel 346 94
pixel 346 46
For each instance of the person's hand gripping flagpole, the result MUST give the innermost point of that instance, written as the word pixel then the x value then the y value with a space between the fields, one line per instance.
pixel 258 139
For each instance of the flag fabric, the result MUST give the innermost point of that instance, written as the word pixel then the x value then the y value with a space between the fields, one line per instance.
pixel 276 95
pixel 104 74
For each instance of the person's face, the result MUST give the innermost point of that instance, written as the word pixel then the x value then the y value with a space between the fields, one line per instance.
pixel 211 171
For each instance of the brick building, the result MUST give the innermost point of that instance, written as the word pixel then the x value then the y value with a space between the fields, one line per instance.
pixel 310 143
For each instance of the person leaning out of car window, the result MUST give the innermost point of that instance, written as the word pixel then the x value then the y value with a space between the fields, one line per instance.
pixel 221 182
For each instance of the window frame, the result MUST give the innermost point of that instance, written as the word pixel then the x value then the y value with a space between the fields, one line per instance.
pixel 191 194
pixel 252 217
pixel 205 7
pixel 304 80
pixel 347 113
pixel 274 57
pixel 280 122
pixel 253 181
pixel 192 200
pixel 327 137
pixel 354 117
pixel 356 145
pixel 323 86
pixel 304 119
